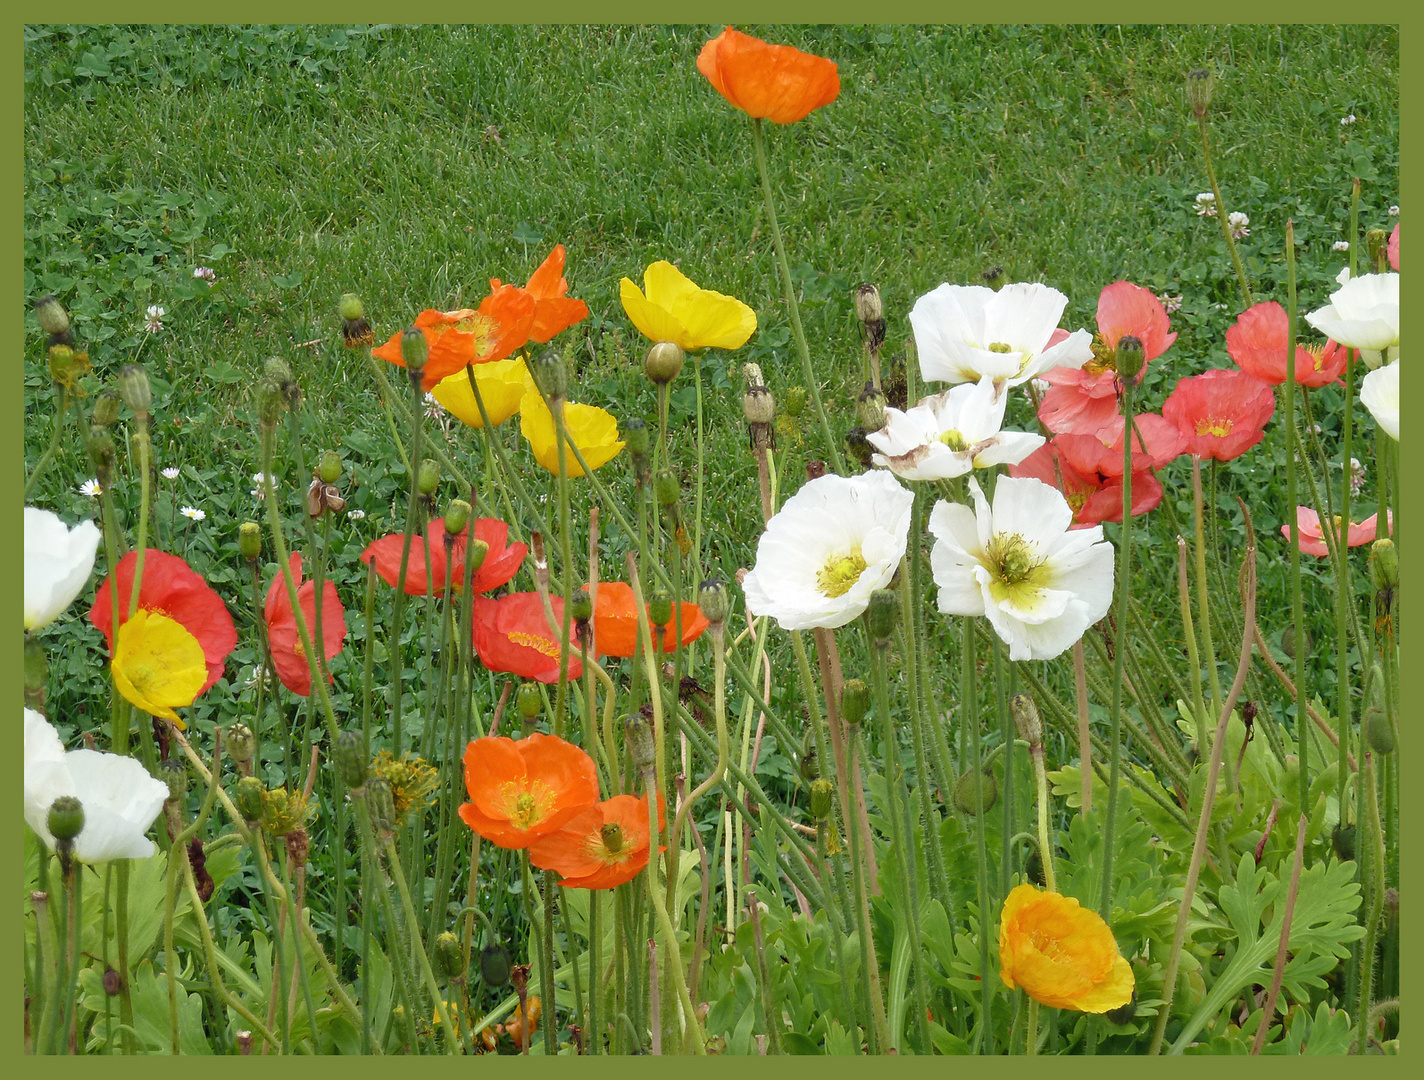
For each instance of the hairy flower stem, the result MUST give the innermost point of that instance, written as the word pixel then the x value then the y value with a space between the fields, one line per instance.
pixel 1193 659
pixel 568 573
pixel 833 453
pixel 395 949
pixel 969 719
pixel 1203 588
pixel 1085 736
pixel 878 1034
pixel 1222 218
pixel 1297 604
pixel 1372 870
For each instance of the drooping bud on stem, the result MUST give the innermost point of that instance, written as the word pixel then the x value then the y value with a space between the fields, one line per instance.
pixel 638 734
pixel 447 958
pixel 971 794
pixel 883 616
pixel 663 362
pixel 855 701
pixel 54 320
pixel 494 965
pixel 822 796
pixel 414 352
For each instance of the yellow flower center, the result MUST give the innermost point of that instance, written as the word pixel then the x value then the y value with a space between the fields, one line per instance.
pixel 534 641
pixel 525 803
pixel 1000 347
pixel 297 648
pixel 482 327
pixel 1212 425
pixel 954 439
pixel 1018 574
pixel 1076 500
pixel 1104 357
pixel 1317 355
pixel 840 573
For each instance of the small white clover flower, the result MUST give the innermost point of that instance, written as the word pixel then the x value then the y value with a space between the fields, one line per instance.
pixel 1394 211
pixel 1238 222
pixel 1206 204
pixel 1171 303
pixel 1357 471
pixel 192 513
pixel 356 515
pixel 259 674
pixel 1346 121
pixel 205 273
pixel 153 319
pixel 260 491
pixel 1340 245
pixel 91 489
pixel 171 473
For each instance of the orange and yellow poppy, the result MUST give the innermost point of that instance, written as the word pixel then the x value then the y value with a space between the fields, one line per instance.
pixel 615 622
pixel 454 339
pixel 602 847
pixel 771 82
pixel 521 791
pixel 1063 955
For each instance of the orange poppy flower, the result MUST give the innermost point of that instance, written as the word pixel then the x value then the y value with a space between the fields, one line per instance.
pixel 502 559
pixel 1062 954
pixel 553 311
pixel 457 338
pixel 615 622
pixel 772 82
pixel 522 791
pixel 602 847
pixel 287 656
pixel 511 634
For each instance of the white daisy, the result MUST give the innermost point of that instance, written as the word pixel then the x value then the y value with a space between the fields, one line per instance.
pixel 91 488
pixel 950 434
pixel 171 473
pixel 192 513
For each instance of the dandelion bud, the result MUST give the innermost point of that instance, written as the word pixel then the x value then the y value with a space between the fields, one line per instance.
pixel 581 606
pixel 970 794
pixel 855 701
pixel 66 819
pixel 870 407
pixel 249 541
pixel 1130 357
pixel 106 407
pixel 350 755
pixel 663 362
pixel 54 320
pixel 298 846
pixel 175 774
pixel 494 965
pixel 995 278
pixel 1288 641
pixel 635 434
pixel 795 401
pixel 330 468
pixel 883 615
pixel 1200 84
pixel 249 799
pixel 280 372
pixel 660 608
pixel 1026 719
pixel 1342 841
pixel 638 734
pixel 1375 241
pixel 100 446
pixel 821 797
pixel 858 446
pixel 457 516
pixel 447 957
pixel 529 700
pixel 758 405
pixel 1378 732
pixel 667 487
pixel 382 803
pixel 714 600
pixel 134 389
pixel 270 403
pixel 414 351
pixel 1384 564
pixel 428 478
pixel 550 374
pixel 868 307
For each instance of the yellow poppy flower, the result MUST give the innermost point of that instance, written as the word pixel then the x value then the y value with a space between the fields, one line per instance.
pixel 593 430
pixel 676 310
pixel 502 384
pixel 1062 954
pixel 158 664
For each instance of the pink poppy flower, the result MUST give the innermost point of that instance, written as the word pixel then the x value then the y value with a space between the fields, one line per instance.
pixel 1257 342
pixel 1222 413
pixel 1082 462
pixel 1391 250
pixel 1312 535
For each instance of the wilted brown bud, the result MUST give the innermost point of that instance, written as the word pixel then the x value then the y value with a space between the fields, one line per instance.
pixel 868 306
pixel 298 845
pixel 1200 84
pixel 870 407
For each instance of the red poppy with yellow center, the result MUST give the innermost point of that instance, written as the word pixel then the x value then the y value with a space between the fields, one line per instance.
pixel 512 634
pixel 1222 413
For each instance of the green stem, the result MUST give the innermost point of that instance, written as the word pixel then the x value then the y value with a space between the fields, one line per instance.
pixel 1297 603
pixel 1223 220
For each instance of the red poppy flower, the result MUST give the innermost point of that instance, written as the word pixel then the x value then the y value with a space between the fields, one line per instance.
pixel 772 82
pixel 602 847
pixel 1222 413
pixel 615 622
pixel 170 588
pixel 1083 401
pixel 1257 342
pixel 282 637
pixel 458 338
pixel 1312 536
pixel 1090 481
pixel 553 311
pixel 521 791
pixel 502 559
pixel 511 634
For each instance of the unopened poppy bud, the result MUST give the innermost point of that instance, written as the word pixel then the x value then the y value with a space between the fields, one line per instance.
pixel 550 374
pixel 868 307
pixel 638 734
pixel 1375 243
pixel 581 606
pixel 54 320
pixel 855 701
pixel 1200 84
pixel 1384 564
pixel 241 744
pixel 249 540
pixel 475 554
pixel 494 965
pixel 758 405
pixel 428 479
pixel 822 793
pixel 995 278
pixel 280 372
pixel 106 407
pixel 667 487
pixel 457 516
pixel 382 803
pixel 447 958
pixel 249 798
pixel 1026 719
pixel 883 615
pixel 414 351
pixel 134 389
pixel 1288 641
pixel 1342 841
pixel 1378 732
pixel 99 444
pixel 809 763
pixel 298 846
pixel 350 755
pixel 330 468
pixel 175 774
pixel 858 446
pixel 870 407
pixel 969 793
pixel 635 434
pixel 714 600
pixel 270 402
pixel 66 818
pixel 529 700
pixel 795 401
pixel 660 609
pixel 663 362
pixel 1130 357
pixel 350 307
pixel 1033 868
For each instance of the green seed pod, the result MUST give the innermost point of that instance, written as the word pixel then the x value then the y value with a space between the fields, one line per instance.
pixel 414 351
pixel 382 803
pixel 635 434
pixel 249 540
pixel 1378 732
pixel 638 734
pixel 964 798
pixel 1288 642
pixel 1026 719
pixel 1130 357
pixel 529 700
pixel 660 609
pixel 758 405
pixel 249 798
pixel 350 754
pixel 447 958
pixel 1200 84
pixel 663 362
pixel 1342 840
pixel 350 307
pixel 270 403
pixel 175 774
pixel 795 401
pixel 870 408
pixel 1384 564
pixel 551 374
pixel 855 701
pixel 241 744
pixel 581 606
pixel 280 372
pixel 714 600
pixel 457 516
pixel 66 818
pixel 330 468
pixel 428 478
pixel 134 389
pixel 99 444
pixel 822 794
pixel 54 320
pixel 667 488
pixel 883 615
pixel 494 965
pixel 106 407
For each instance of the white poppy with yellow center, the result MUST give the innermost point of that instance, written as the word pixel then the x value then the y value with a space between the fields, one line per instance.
pixel 1016 563
pixel 949 434
pixel 834 543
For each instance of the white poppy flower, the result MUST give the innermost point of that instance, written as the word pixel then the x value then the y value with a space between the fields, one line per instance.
pixel 966 333
pixel 949 434
pixel 1363 314
pixel 1379 392
pixel 1040 585
pixel 58 562
pixel 119 797
pixel 834 543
